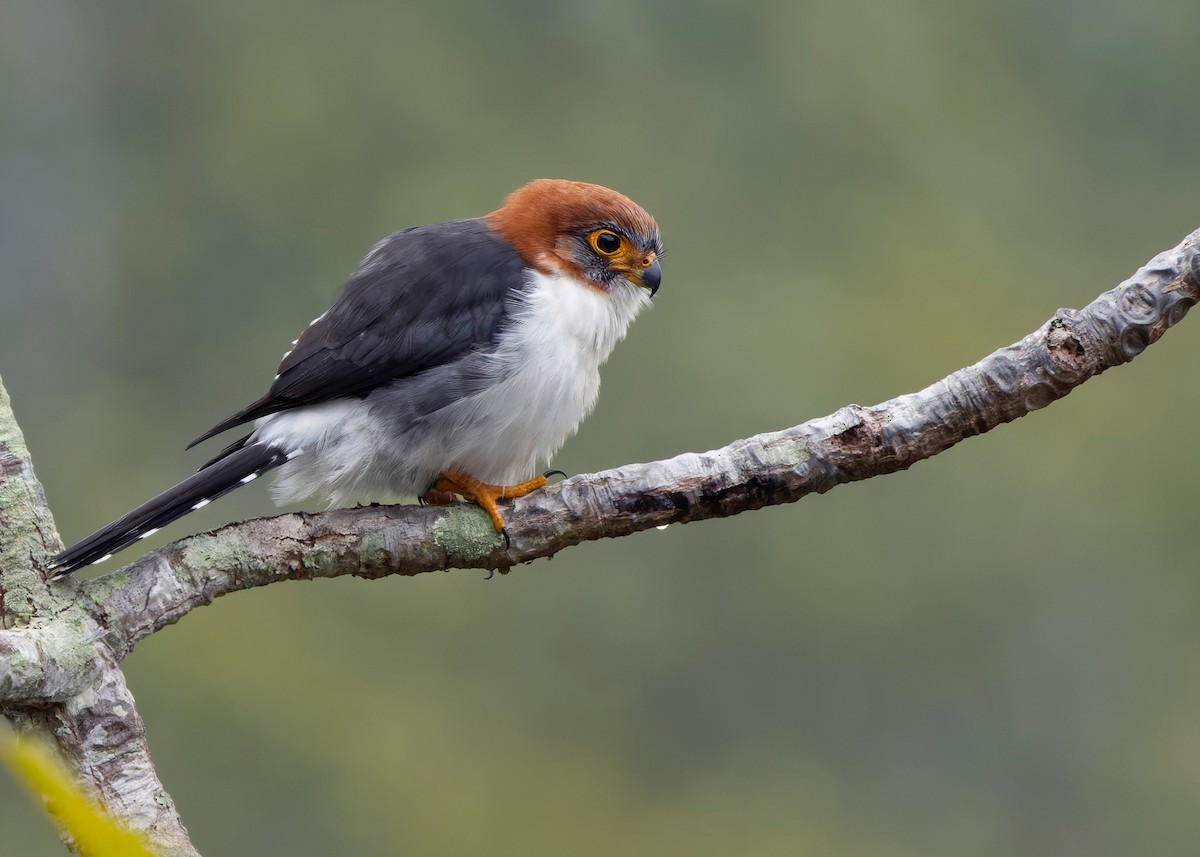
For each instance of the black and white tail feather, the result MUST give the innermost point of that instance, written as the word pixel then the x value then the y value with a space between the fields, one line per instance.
pixel 238 464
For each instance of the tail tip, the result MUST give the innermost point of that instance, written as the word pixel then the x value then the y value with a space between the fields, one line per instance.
pixel 61 565
pixel 57 567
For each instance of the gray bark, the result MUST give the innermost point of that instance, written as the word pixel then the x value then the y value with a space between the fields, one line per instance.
pixel 61 643
pixel 57 675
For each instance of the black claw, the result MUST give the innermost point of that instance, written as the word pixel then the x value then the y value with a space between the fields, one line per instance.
pixel 507 540
pixel 550 473
pixel 491 574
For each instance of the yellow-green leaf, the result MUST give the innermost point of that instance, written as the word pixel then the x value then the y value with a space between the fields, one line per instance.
pixel 95 832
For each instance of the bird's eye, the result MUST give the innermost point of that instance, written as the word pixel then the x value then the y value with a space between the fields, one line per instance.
pixel 606 242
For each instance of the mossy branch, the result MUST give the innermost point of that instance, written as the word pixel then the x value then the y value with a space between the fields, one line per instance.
pixel 58 679
pixel 851 444
pixel 62 641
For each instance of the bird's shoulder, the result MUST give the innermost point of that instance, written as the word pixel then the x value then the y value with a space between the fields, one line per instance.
pixel 418 295
pixel 422 297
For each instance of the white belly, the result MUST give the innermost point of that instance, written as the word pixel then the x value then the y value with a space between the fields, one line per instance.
pixel 550 370
pixel 541 382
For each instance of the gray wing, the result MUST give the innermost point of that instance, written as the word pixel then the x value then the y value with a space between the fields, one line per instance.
pixel 423 297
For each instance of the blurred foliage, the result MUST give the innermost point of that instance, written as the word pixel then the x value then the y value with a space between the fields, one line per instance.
pixel 995 653
pixel 95 834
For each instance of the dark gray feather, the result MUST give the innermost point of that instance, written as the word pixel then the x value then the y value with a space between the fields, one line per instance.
pixel 424 297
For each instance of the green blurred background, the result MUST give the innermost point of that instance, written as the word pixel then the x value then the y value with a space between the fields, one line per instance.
pixel 994 654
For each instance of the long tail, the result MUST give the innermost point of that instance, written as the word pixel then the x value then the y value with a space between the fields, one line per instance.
pixel 237 465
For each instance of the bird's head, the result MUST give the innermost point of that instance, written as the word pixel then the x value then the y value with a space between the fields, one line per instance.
pixel 595 234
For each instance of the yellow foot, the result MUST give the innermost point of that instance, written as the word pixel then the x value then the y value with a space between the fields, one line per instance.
pixel 452 482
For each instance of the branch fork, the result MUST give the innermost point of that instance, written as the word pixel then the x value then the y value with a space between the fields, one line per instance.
pixel 61 643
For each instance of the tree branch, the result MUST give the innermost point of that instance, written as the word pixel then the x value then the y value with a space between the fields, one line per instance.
pixel 61 642
pixel 25 523
pixel 851 444
pixel 56 676
pixel 44 663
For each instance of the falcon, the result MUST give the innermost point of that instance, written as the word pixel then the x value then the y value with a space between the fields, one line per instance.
pixel 456 357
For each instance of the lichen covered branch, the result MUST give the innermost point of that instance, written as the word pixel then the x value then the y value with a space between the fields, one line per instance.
pixel 851 444
pixel 61 642
pixel 26 525
pixel 44 664
pixel 56 675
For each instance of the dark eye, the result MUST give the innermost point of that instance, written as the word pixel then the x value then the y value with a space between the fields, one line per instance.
pixel 606 242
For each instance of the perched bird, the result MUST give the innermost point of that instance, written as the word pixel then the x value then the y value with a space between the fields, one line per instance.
pixel 455 358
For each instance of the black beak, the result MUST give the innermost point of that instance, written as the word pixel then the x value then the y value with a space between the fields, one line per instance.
pixel 651 277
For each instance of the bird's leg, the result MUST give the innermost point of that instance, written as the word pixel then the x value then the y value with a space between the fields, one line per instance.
pixel 470 488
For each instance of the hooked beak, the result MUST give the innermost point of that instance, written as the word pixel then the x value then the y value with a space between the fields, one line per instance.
pixel 650 277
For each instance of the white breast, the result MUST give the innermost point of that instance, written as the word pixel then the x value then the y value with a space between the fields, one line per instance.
pixel 548 370
pixel 541 381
